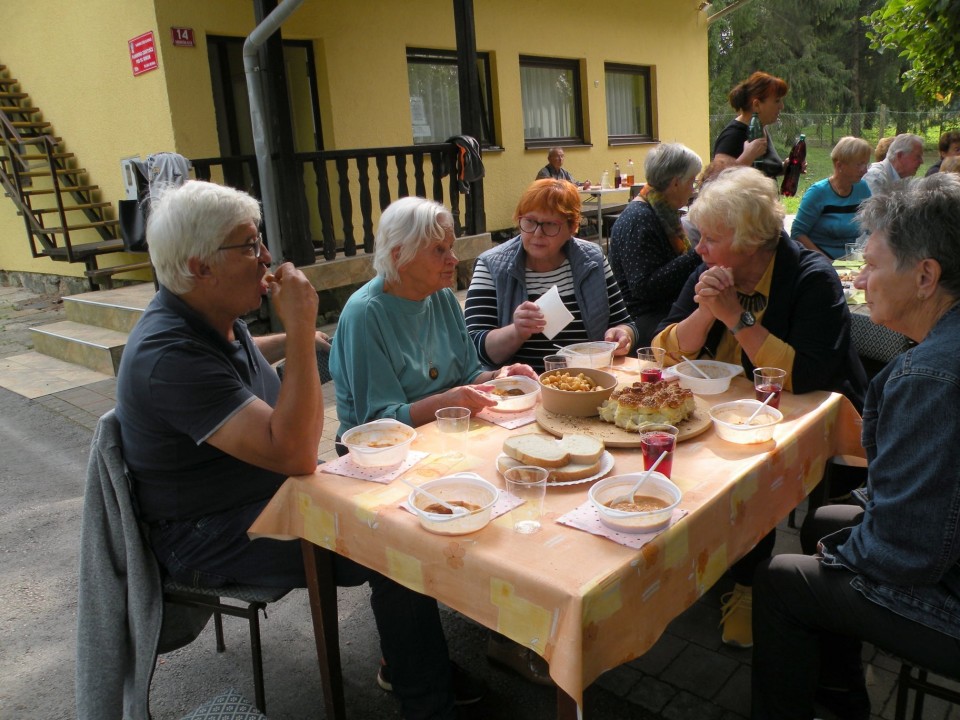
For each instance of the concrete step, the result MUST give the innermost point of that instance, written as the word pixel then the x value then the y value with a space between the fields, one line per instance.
pixel 117 309
pixel 93 347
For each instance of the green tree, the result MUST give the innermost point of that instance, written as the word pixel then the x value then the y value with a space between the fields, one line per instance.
pixel 924 32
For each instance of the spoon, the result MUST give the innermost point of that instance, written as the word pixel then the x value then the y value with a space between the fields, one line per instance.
pixel 628 496
pixel 456 510
pixel 762 406
pixel 700 372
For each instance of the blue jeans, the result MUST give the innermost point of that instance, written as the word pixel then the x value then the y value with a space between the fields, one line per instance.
pixel 215 550
pixel 809 623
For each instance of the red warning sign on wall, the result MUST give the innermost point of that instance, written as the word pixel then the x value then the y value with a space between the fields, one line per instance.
pixel 143 53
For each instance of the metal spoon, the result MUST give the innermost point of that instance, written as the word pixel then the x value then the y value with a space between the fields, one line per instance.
pixel 695 367
pixel 762 406
pixel 628 497
pixel 454 509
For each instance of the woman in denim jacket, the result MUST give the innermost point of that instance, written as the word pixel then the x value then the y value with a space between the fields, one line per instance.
pixel 888 573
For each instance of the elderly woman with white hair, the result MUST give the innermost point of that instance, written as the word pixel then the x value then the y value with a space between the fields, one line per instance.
pixel 401 349
pixel 826 220
pixel 760 300
pixel 650 253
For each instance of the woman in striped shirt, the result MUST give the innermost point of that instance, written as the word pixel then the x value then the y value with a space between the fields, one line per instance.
pixel 502 318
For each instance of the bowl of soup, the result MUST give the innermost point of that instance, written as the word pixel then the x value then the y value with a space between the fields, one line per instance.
pixel 649 510
pixel 465 490
pixel 380 443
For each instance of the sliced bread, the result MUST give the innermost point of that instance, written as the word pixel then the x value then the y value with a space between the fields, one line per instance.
pixel 535 449
pixel 582 449
pixel 567 473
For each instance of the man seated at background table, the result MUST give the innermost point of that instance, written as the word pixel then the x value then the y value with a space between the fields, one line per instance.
pixel 554 167
pixel 904 157
pixel 210 433
pixel 889 573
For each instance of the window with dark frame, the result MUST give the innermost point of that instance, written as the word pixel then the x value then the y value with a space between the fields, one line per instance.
pixel 551 100
pixel 435 96
pixel 629 106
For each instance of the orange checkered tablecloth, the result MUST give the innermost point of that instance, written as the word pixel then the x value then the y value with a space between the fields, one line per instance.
pixel 583 602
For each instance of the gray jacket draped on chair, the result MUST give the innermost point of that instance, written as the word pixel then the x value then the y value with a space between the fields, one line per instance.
pixel 120 609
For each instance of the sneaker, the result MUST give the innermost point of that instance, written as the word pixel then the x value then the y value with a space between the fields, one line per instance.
pixel 466 689
pixel 737 617
pixel 522 660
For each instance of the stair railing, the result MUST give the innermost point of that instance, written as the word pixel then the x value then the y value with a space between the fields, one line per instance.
pixel 13 186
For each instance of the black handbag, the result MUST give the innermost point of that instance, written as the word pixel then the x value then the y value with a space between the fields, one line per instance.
pixel 133 226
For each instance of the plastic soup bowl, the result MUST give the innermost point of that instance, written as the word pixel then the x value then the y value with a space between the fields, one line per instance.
pixel 465 487
pixel 380 443
pixel 657 486
pixel 729 420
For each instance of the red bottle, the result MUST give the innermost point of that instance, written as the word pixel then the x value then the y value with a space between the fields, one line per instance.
pixel 791 178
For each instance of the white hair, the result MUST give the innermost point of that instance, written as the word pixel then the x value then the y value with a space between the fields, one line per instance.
pixel 408 225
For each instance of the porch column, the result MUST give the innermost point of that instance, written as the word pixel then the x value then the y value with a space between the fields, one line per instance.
pixel 470 103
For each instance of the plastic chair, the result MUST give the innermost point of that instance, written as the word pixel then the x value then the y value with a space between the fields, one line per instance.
pixel 921 685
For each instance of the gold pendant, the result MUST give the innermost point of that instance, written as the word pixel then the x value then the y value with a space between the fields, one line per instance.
pixel 434 373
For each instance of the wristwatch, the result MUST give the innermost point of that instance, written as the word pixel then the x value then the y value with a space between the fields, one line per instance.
pixel 746 320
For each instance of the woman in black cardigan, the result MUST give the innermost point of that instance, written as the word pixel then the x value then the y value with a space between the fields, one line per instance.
pixel 760 300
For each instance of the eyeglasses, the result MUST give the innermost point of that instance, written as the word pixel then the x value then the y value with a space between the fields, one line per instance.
pixel 256 244
pixel 529 225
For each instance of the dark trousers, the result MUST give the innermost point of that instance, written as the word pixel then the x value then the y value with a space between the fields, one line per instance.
pixel 215 550
pixel 808 625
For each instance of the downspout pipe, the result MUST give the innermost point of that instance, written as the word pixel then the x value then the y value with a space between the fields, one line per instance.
pixel 262 142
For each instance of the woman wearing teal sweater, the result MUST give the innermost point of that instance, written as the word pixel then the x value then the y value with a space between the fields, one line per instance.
pixel 401 349
pixel 825 221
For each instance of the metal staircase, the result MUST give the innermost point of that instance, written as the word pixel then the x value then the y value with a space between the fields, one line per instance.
pixel 53 195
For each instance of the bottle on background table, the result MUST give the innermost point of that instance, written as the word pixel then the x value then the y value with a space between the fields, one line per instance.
pixel 604 180
pixel 616 175
pixel 630 176
pixel 791 178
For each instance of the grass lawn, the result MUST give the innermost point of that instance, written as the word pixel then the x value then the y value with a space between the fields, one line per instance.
pixel 819 166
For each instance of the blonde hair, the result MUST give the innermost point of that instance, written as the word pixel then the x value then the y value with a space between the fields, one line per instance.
pixel 743 200
pixel 851 150
pixel 882 146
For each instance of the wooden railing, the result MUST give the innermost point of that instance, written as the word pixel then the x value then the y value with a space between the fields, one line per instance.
pixel 348 189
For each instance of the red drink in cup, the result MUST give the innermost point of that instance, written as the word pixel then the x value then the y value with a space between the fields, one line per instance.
pixel 761 392
pixel 768 380
pixel 654 441
pixel 649 375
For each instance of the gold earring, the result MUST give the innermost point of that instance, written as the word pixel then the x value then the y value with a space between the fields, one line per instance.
pixel 921 296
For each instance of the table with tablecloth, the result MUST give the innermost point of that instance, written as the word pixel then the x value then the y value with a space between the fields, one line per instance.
pixel 586 603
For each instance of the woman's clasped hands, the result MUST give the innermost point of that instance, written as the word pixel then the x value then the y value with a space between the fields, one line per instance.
pixel 716 293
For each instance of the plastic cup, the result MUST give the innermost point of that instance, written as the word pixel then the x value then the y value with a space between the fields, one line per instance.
pixel 453 424
pixel 650 363
pixel 655 439
pixel 768 380
pixel 529 483
pixel 854 251
pixel 554 362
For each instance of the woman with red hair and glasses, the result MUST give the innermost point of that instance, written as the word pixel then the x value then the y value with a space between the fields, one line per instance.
pixel 763 94
pixel 503 320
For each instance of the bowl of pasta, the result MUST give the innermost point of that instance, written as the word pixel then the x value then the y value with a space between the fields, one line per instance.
pixel 577 391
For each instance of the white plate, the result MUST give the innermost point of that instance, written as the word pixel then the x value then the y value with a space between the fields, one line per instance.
pixel 606 465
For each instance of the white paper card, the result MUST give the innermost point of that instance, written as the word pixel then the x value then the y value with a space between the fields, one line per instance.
pixel 555 312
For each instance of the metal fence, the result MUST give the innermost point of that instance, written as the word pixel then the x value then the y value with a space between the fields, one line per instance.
pixel 824 129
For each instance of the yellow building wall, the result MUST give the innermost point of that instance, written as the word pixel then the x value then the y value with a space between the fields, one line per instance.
pixel 73 60
pixel 78 71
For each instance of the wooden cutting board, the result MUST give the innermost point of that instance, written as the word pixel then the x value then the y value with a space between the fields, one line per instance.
pixel 613 436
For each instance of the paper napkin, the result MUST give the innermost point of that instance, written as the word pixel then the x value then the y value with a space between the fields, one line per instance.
pixel 555 312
